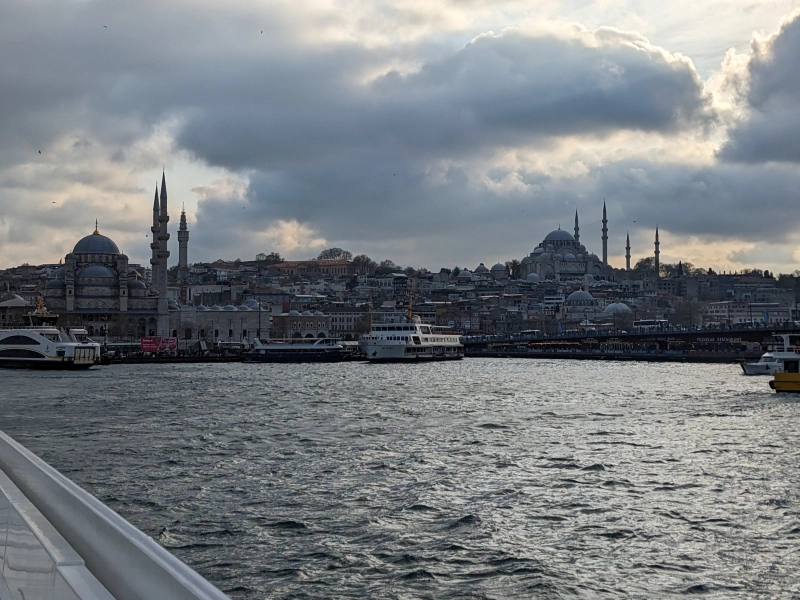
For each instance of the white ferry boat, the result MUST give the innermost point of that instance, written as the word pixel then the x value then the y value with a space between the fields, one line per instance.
pixel 42 345
pixel 410 341
pixel 782 346
pixel 301 350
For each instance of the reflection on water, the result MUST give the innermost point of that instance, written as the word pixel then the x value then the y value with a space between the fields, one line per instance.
pixel 488 478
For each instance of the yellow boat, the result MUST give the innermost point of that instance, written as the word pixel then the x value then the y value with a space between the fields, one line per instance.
pixel 789 380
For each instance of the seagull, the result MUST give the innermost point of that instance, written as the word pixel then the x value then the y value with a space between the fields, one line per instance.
pixel 105 26
pixel 40 151
pixel 54 201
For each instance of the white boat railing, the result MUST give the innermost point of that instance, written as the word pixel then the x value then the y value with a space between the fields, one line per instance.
pixel 59 542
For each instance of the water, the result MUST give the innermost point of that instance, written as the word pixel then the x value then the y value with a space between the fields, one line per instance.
pixel 484 478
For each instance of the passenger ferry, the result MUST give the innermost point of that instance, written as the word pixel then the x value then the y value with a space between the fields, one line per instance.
pixel 410 341
pixel 42 345
pixel 782 347
pixel 320 350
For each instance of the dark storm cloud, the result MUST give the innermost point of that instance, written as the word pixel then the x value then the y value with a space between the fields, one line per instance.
pixel 770 88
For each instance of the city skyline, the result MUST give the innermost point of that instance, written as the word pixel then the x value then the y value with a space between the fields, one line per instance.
pixel 431 134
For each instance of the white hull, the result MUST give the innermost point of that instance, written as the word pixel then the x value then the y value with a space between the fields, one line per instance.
pixel 46 348
pixel 759 368
pixel 387 351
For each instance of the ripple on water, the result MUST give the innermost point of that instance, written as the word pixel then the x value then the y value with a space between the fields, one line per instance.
pixel 479 479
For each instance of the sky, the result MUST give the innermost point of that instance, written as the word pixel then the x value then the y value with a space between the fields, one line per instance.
pixel 434 133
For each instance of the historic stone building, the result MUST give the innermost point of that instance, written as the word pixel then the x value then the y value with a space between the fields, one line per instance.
pixel 561 256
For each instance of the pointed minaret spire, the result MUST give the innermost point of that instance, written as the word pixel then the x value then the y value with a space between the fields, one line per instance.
pixel 605 234
pixel 96 232
pixel 577 229
pixel 627 251
pixel 658 252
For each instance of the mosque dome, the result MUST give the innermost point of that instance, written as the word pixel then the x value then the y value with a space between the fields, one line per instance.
pixel 594 256
pixel 215 307
pixel 59 272
pixel 533 278
pixel 527 260
pixel 539 250
pixel 579 296
pixel 319 313
pixel 252 303
pixel 481 269
pixel 229 307
pixel 464 274
pixel 543 258
pixel 617 307
pixel 499 267
pixel 294 313
pixel 96 244
pixel 569 256
pixel 201 307
pixel 559 235
pixel 56 284
pixel 96 271
pixel 135 284
pixel 242 307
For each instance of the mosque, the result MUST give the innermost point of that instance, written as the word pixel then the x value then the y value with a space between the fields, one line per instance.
pixel 561 256
pixel 97 288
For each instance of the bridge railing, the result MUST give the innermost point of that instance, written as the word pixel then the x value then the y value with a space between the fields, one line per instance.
pixel 60 543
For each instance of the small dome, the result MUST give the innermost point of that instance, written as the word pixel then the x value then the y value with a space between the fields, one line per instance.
pixel 499 267
pixel 543 258
pixel 580 296
pixel 252 303
pixel 593 256
pixel 56 284
pixel 229 307
pixel 319 313
pixel 201 307
pixel 135 284
pixel 307 313
pixel 215 307
pixel 96 271
pixel 95 244
pixel 539 250
pixel 559 235
pixel 242 307
pixel 59 272
pixel 533 278
pixel 527 260
pixel 294 313
pixel 481 269
pixel 122 256
pixel 617 307
pixel 569 256
pixel 464 274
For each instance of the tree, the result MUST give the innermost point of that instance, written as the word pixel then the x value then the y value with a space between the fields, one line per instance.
pixel 648 262
pixel 273 258
pixel 364 265
pixel 335 254
pixel 387 266
pixel 455 271
pixel 410 271
pixel 514 268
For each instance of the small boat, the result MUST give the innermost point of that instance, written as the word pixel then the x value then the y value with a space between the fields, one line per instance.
pixel 300 350
pixel 42 345
pixel 782 346
pixel 789 379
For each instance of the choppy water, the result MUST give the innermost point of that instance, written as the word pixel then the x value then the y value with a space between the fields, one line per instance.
pixel 485 478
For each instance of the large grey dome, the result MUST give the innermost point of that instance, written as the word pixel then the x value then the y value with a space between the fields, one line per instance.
pixel 617 307
pixel 96 271
pixel 580 296
pixel 559 235
pixel 56 284
pixel 96 244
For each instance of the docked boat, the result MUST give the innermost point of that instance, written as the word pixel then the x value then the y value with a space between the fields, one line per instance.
pixel 410 341
pixel 787 380
pixel 301 350
pixel 783 346
pixel 42 345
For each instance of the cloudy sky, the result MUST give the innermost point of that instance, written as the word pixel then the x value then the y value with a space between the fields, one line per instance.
pixel 431 132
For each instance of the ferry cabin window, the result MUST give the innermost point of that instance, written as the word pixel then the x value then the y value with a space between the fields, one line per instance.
pixel 19 340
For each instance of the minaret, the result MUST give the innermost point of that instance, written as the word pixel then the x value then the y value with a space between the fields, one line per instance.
pixel 577 234
pixel 154 245
pixel 628 251
pixel 163 255
pixel 183 247
pixel 657 253
pixel 605 235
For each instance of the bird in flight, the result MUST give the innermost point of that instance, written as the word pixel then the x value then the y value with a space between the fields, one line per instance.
pixel 105 26
pixel 40 151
